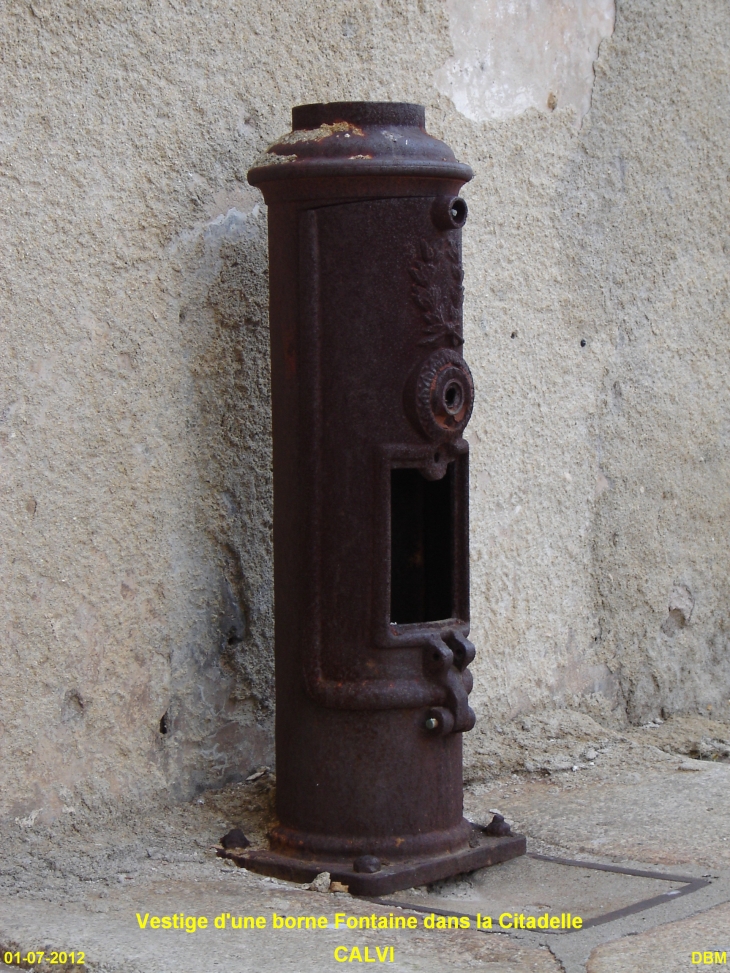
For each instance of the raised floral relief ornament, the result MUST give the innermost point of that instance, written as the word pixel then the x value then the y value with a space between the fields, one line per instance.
pixel 371 396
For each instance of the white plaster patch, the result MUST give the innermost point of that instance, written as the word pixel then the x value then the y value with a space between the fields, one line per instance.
pixel 511 55
pixel 30 820
pixel 231 226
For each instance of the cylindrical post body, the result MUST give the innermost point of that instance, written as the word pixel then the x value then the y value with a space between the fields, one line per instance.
pixel 370 395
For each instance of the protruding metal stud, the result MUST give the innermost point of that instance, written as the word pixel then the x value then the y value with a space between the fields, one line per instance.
pixel 368 864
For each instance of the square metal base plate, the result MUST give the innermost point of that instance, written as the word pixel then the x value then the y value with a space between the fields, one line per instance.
pixel 393 876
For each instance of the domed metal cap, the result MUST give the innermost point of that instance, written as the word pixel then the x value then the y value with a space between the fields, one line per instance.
pixel 350 137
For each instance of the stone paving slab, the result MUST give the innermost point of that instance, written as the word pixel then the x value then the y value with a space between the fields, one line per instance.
pixel 667 816
pixel 108 930
pixel 668 948
pixel 534 887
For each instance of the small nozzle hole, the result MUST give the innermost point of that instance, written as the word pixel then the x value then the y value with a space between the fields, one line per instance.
pixel 458 211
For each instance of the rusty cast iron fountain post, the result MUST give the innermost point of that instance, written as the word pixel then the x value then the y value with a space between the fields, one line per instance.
pixel 371 396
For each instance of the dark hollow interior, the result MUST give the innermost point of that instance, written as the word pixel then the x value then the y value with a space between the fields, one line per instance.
pixel 421 547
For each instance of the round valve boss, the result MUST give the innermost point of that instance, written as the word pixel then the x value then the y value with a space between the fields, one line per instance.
pixel 444 394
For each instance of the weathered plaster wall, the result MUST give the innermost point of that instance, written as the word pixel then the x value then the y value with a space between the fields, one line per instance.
pixel 134 449
pixel 534 54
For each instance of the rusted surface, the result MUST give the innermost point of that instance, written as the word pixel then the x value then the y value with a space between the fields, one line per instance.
pixel 371 395
pixel 498 826
pixel 391 876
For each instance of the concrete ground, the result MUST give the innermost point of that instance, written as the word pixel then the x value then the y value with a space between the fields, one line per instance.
pixel 636 799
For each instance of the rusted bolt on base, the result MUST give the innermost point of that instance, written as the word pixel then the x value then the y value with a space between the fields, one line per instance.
pixel 368 864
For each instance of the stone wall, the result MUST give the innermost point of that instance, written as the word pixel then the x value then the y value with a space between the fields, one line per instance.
pixel 136 629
